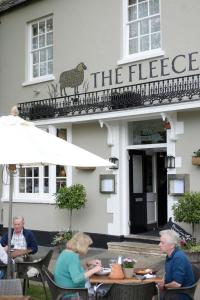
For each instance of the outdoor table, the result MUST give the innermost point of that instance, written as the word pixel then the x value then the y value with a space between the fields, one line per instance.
pixel 96 279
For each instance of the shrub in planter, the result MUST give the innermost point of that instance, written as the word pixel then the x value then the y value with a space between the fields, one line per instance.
pixel 187 209
pixel 73 197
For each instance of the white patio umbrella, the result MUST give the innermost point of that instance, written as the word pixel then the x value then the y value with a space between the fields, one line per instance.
pixel 24 143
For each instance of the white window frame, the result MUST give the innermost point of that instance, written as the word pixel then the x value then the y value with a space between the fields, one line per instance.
pixel 40 197
pixel 126 57
pixel 30 79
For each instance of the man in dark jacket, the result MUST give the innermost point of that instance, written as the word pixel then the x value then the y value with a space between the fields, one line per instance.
pixel 23 241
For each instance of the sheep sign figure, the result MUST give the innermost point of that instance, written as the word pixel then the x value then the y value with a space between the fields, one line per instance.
pixel 72 78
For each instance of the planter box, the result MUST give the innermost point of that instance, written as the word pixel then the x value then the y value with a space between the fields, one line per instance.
pixel 193 257
pixel 196 160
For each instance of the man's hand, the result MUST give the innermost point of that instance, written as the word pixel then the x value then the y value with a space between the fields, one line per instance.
pixel 19 252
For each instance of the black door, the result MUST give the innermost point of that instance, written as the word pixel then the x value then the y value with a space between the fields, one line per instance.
pixel 138 203
pixel 162 189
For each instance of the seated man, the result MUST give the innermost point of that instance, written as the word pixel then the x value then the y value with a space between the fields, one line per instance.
pixel 22 240
pixel 178 269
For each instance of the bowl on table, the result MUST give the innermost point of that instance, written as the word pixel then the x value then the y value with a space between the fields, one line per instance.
pixel 104 271
pixel 144 271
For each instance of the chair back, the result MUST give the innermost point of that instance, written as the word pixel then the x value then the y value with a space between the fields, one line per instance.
pixel 57 291
pixel 142 291
pixel 10 287
pixel 196 272
pixel 45 260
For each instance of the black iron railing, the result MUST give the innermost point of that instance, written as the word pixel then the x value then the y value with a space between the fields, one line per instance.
pixel 173 90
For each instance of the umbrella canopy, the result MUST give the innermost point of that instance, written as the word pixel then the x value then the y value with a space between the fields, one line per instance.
pixel 24 143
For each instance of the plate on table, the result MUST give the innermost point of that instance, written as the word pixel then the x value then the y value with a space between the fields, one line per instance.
pixel 104 271
pixel 144 271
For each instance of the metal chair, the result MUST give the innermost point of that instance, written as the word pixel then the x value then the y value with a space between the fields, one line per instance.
pixel 141 291
pixel 171 294
pixel 10 287
pixel 22 268
pixel 57 292
pixel 3 268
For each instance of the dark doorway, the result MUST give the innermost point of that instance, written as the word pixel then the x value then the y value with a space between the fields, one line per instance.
pixel 137 184
pixel 162 189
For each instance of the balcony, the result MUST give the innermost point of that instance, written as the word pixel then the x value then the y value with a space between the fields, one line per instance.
pixel 155 93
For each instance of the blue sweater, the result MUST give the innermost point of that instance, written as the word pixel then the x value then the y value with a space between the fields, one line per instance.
pixel 29 237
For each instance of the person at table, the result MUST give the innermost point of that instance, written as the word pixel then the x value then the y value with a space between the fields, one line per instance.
pixel 68 271
pixel 22 240
pixel 178 269
pixel 3 259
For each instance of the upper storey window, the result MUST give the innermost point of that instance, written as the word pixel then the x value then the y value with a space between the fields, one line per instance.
pixel 41 48
pixel 142 34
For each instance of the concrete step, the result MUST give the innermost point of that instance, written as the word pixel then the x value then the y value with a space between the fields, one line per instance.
pixel 134 247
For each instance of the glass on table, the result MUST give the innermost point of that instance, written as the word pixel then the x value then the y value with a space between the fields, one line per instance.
pixel 112 261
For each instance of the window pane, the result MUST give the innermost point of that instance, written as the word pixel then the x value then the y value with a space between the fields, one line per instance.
pixel 144 43
pixel 29 186
pixel 49 25
pixel 133 29
pixel 131 2
pixel 143 10
pixel 22 185
pixel 50 38
pixel 34 43
pixel 155 40
pixel 154 7
pixel 49 53
pixel 60 183
pixel 36 186
pixel 133 46
pixel 46 185
pixel 155 24
pixel 50 67
pixel 41 27
pixel 144 27
pixel 21 172
pixel 36 70
pixel 35 57
pixel 132 13
pixel 41 41
pixel 36 172
pixel 29 172
pixel 34 29
pixel 43 69
pixel 46 171
pixel 42 55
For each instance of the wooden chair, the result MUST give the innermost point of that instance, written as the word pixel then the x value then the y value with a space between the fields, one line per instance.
pixel 22 268
pixel 57 292
pixel 141 291
pixel 10 287
pixel 190 290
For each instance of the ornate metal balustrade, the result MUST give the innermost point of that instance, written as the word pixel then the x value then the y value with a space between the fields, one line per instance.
pixel 173 90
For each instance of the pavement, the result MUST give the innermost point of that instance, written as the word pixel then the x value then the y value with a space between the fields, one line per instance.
pixel 155 262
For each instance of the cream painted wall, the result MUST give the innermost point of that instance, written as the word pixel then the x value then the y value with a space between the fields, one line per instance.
pixel 186 144
pixel 90 137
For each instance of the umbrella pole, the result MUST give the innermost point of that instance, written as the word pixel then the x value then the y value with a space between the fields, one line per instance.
pixel 12 169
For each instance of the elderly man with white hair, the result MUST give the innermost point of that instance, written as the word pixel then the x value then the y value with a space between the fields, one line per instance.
pixel 178 269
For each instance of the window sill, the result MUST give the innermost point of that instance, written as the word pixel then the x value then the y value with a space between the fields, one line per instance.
pixel 39 200
pixel 141 56
pixel 38 80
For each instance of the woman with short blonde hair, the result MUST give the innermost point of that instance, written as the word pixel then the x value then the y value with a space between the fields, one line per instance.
pixel 68 270
pixel 79 243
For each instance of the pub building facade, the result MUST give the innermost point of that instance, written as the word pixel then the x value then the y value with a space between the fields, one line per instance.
pixel 120 79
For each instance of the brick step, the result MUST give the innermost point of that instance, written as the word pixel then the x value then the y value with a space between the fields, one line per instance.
pixel 134 247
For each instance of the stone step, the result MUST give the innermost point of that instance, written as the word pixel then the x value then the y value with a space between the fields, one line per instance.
pixel 134 247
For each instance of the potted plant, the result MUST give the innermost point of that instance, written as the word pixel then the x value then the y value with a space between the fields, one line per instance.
pixel 70 198
pixel 187 209
pixel 196 158
pixel 128 267
pixel 60 239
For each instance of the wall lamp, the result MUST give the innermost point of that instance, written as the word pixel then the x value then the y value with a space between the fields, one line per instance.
pixel 170 162
pixel 115 161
